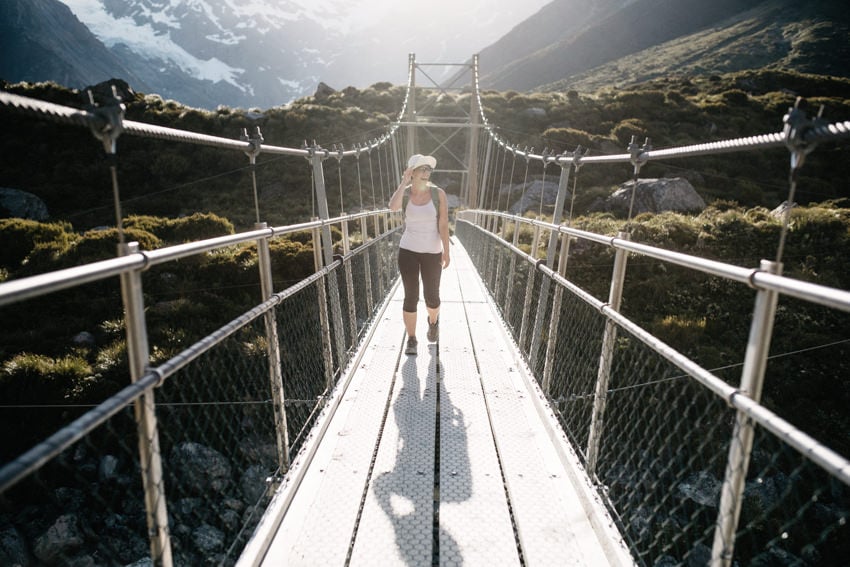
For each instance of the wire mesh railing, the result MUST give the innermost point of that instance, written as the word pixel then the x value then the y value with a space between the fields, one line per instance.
pixel 653 427
pixel 213 424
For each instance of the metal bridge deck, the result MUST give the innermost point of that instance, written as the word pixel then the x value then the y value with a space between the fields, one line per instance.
pixel 450 457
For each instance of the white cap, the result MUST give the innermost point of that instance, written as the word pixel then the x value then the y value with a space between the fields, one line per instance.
pixel 418 160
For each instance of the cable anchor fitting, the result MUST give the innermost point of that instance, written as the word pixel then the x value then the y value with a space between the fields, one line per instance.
pixel 255 142
pixel 577 157
pixel 796 130
pixel 108 122
pixel 638 153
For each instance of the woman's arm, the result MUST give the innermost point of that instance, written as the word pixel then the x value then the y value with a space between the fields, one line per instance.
pixel 398 197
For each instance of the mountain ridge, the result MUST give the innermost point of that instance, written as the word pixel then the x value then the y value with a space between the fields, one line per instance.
pixel 692 38
pixel 42 39
pixel 220 55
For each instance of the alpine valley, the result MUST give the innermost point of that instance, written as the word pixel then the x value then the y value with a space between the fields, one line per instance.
pixel 265 53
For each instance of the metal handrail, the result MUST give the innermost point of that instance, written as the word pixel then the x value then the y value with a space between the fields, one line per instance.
pixel 43 284
pixel 825 457
pixel 754 277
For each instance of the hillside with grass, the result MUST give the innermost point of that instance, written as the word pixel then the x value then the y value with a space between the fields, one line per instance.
pixel 63 165
pixel 172 193
pixel 572 45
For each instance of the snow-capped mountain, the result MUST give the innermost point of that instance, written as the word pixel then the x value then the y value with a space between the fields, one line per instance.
pixel 205 53
pixel 261 53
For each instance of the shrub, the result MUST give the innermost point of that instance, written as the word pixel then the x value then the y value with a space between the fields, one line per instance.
pixel 30 377
pixel 92 246
pixel 198 226
pixel 21 236
pixel 291 261
pixel 624 131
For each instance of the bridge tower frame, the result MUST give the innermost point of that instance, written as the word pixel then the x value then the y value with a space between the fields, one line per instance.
pixel 429 133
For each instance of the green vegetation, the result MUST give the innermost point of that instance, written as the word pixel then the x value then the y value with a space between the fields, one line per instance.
pixel 173 193
pixel 63 164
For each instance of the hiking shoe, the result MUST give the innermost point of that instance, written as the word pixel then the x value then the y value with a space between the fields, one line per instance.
pixel 433 330
pixel 411 346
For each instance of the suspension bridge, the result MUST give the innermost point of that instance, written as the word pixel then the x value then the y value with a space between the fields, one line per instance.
pixel 544 427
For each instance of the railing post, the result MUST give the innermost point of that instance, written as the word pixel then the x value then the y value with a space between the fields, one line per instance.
pixel 327 354
pixel 512 272
pixel 483 192
pixel 557 215
pixel 349 282
pixel 380 256
pixel 741 444
pixel 526 306
pixel 609 339
pixel 273 350
pixel 552 338
pixel 327 252
pixel 364 229
pixel 469 191
pixel 499 262
pixel 144 408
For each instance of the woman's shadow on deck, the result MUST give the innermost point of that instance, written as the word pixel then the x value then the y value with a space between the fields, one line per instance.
pixel 410 494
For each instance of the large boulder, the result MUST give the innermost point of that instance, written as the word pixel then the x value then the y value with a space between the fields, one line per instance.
pixel 530 195
pixel 20 204
pixel 653 196
pixel 62 538
pixel 200 468
pixel 103 92
pixel 323 91
pixel 13 547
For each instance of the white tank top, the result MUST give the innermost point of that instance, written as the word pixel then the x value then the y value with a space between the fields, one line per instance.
pixel 420 229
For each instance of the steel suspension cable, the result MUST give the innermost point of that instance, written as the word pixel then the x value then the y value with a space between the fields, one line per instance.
pixel 372 180
pixel 511 180
pixel 381 174
pixel 339 175
pixel 503 155
pixel 494 194
pixel 524 183
pixel 542 186
pixel 577 167
pixel 359 180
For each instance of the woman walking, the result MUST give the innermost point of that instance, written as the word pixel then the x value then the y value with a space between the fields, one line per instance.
pixel 424 246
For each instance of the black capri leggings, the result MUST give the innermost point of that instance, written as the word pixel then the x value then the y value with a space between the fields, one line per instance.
pixel 411 264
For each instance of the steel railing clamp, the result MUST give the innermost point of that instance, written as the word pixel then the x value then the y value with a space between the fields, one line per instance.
pixel 314 150
pixel 797 128
pixel 255 143
pixel 577 157
pixel 108 122
pixel 751 278
pixel 160 376
pixel 541 262
pixel 730 401
pixel 638 153
pixel 147 261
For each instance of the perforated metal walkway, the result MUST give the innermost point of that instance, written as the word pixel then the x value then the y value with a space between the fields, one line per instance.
pixel 450 457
